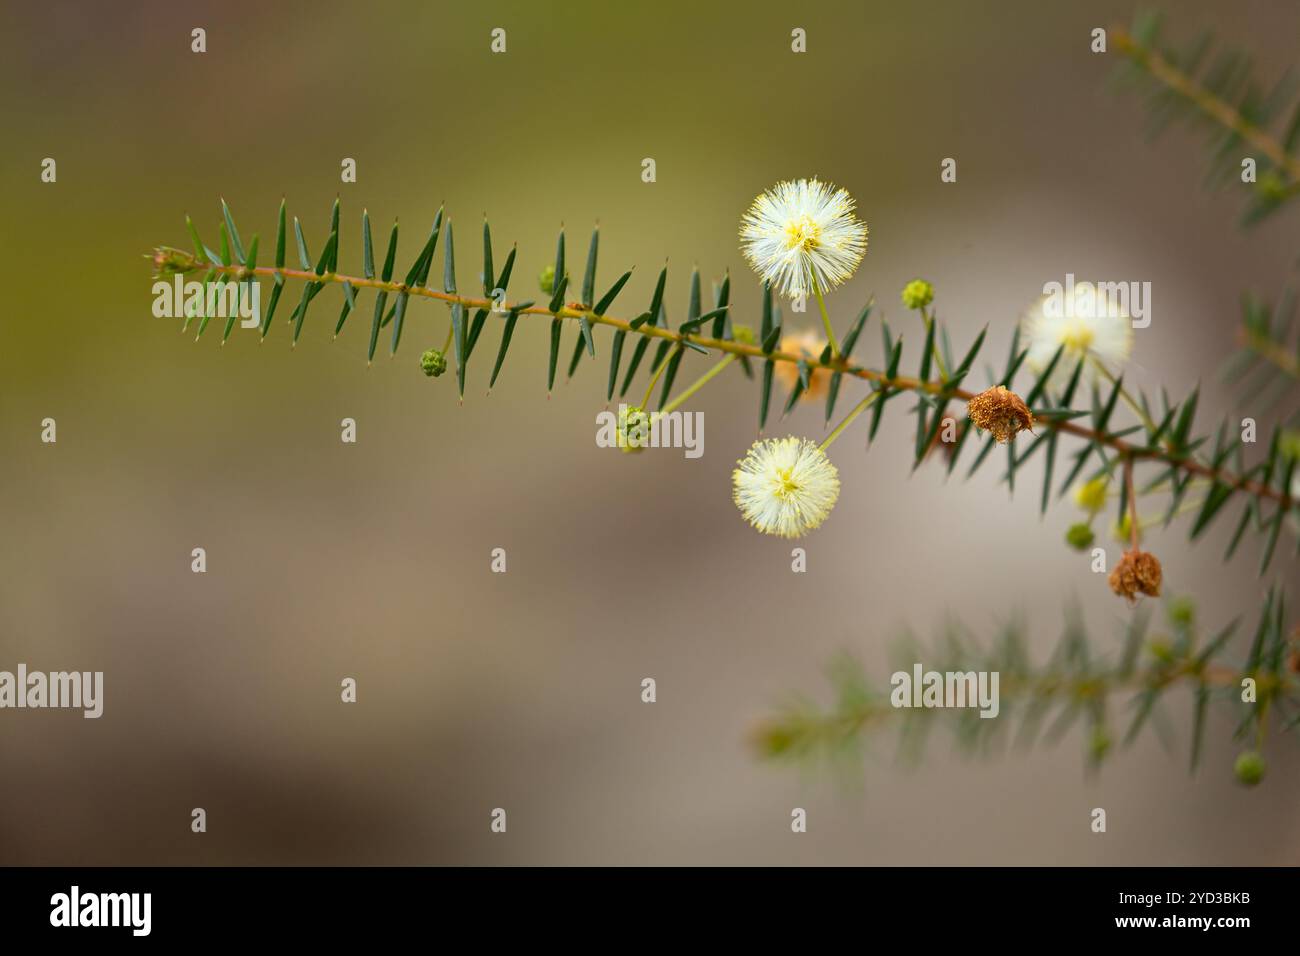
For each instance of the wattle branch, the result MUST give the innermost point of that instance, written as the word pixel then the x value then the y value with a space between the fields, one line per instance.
pixel 180 261
pixel 1166 438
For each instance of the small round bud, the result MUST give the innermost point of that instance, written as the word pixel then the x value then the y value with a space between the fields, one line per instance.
pixel 433 362
pixel 1272 186
pixel 1181 611
pixel 1080 537
pixel 633 428
pixel 1161 650
pixel 1091 495
pixel 743 334
pixel 1250 768
pixel 546 279
pixel 917 294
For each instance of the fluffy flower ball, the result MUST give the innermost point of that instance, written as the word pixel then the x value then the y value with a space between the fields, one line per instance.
pixel 803 237
pixel 785 486
pixel 1088 324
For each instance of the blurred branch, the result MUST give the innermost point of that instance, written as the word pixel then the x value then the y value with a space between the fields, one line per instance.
pixel 1076 683
pixel 1225 96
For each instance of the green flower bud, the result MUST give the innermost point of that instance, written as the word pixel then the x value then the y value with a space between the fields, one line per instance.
pixel 433 362
pixel 1250 768
pixel 1120 530
pixel 1091 495
pixel 633 428
pixel 1181 611
pixel 917 294
pixel 546 279
pixel 743 334
pixel 1272 186
pixel 1079 537
pixel 1161 651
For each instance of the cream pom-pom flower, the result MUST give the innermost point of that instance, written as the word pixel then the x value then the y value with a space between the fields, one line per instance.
pixel 785 486
pixel 802 237
pixel 1090 325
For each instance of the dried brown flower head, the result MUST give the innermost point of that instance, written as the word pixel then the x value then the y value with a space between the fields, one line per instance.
pixel 1138 572
pixel 1000 412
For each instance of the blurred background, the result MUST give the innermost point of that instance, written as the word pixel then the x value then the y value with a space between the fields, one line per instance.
pixel 479 690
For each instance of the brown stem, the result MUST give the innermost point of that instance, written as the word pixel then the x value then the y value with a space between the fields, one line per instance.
pixel 836 364
pixel 1132 503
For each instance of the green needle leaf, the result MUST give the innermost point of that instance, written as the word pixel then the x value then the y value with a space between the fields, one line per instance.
pixel 234 233
pixel 279 241
pixel 615 355
pixel 303 258
pixel 488 282
pixel 765 394
pixel 721 302
pixel 506 335
pixel 367 246
pixel 475 329
pixel 555 353
pixel 349 303
pixel 669 375
pixel 270 308
pixel 608 298
pixel 390 257
pixel 589 277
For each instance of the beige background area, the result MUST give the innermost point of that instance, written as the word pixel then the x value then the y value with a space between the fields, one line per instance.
pixel 522 690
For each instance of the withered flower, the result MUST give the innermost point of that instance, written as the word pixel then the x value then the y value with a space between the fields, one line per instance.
pixel 1001 412
pixel 1138 572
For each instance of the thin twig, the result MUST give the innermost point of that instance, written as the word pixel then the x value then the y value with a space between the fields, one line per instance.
pixel 834 364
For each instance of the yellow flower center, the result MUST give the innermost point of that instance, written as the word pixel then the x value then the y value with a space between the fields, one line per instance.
pixel 803 233
pixel 1077 337
pixel 787 485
